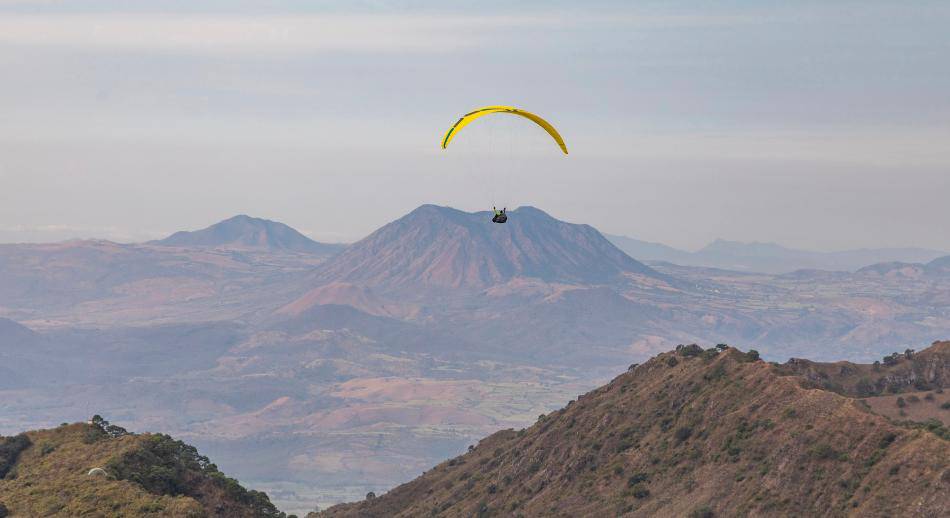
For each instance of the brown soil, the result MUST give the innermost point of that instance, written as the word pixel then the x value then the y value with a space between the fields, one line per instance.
pixel 703 435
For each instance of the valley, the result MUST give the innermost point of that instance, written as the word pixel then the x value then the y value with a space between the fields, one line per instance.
pixel 321 374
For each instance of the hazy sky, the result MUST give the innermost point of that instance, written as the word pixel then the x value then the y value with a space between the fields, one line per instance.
pixel 822 125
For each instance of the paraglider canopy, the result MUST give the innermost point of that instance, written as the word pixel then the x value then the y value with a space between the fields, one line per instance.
pixel 467 119
pixel 97 472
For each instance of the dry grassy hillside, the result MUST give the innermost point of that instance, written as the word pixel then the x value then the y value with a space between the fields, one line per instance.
pixel 702 434
pixel 53 473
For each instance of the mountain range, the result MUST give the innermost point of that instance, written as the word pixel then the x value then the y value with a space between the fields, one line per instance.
pixel 320 376
pixel 769 257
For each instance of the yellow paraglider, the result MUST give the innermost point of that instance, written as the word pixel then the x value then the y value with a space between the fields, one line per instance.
pixel 488 110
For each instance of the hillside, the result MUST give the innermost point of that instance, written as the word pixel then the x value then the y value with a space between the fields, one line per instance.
pixel 446 248
pixel 695 433
pixel 909 371
pixel 246 232
pixel 100 470
pixel 104 283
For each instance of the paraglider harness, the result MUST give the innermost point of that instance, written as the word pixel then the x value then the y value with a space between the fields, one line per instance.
pixel 500 216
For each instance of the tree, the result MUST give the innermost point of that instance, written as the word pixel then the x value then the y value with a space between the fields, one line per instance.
pixel 688 351
pixel 865 387
pixel 908 353
pixel 371 495
pixel 722 347
pixel 110 429
pixel 752 355
pixel 901 403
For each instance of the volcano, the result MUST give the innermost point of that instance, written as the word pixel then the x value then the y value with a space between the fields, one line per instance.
pixel 441 247
pixel 246 232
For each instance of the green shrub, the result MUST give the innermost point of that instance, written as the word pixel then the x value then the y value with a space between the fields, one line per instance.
pixel 636 479
pixel 887 440
pixel 874 458
pixel 151 507
pixel 718 372
pixel 10 449
pixel 683 433
pixel 688 351
pixel 165 466
pixel 823 451
pixel 865 387
pixel 109 429
pixel 702 512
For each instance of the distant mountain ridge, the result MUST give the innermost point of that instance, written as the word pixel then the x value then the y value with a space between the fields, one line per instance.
pixel 448 248
pixel 244 231
pixel 939 267
pixel 770 257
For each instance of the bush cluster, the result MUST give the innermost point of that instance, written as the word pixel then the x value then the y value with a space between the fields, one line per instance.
pixel 688 351
pixel 166 466
pixel 10 449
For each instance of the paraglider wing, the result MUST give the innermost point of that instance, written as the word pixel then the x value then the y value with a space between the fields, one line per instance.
pixel 488 110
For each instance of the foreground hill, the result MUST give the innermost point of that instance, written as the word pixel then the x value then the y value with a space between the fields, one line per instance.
pixel 701 433
pixel 246 232
pixel 100 470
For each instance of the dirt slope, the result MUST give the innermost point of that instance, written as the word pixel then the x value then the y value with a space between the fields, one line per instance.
pixel 693 433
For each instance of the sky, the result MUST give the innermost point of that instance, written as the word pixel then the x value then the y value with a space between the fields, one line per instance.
pixel 819 125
